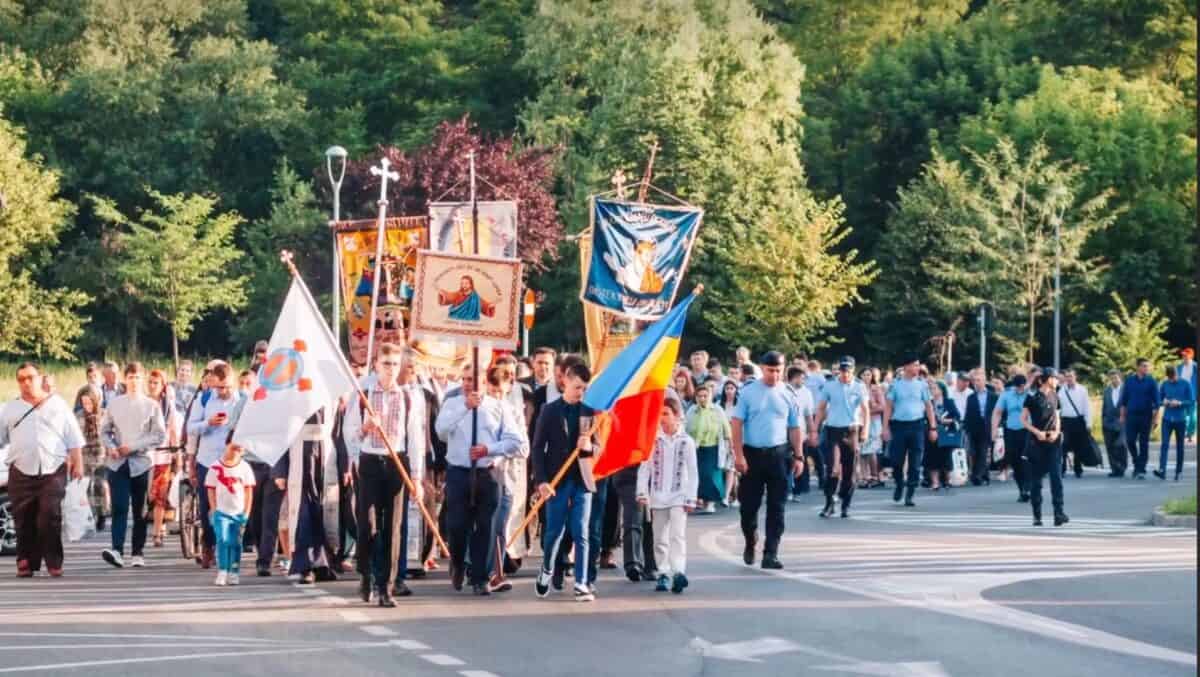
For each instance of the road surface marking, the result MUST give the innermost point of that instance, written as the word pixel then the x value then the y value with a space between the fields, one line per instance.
pixel 442 659
pixel 378 631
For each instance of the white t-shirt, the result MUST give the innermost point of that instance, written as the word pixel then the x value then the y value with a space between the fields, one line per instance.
pixel 230 483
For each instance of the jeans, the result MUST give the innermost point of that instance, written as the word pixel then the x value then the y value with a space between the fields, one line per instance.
pixel 128 490
pixel 1137 437
pixel 637 539
pixel 596 528
pixel 1178 428
pixel 499 527
pixel 1045 459
pixel 210 536
pixel 570 508
pixel 228 529
pixel 767 471
pixel 908 442
pixel 470 523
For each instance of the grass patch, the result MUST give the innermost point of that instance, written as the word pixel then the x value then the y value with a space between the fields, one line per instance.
pixel 1181 506
pixel 69 377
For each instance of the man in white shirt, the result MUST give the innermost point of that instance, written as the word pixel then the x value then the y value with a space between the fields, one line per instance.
pixel 479 432
pixel 1076 413
pixel 213 417
pixel 132 430
pixel 382 506
pixel 742 355
pixel 44 445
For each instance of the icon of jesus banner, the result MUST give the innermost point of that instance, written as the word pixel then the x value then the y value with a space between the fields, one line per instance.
pixel 467 298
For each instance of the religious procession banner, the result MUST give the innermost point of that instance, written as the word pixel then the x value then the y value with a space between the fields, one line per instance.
pixel 639 254
pixel 404 236
pixel 468 298
pixel 452 229
pixel 607 334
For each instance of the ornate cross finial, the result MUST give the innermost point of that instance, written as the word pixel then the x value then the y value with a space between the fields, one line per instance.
pixel 384 174
pixel 618 180
pixel 285 257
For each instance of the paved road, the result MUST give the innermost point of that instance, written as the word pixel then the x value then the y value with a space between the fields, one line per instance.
pixel 959 585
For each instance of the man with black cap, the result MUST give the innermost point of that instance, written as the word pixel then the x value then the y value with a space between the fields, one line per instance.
pixel 767 445
pixel 908 401
pixel 844 411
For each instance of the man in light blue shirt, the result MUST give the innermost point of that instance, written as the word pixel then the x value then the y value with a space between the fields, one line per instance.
pixel 1009 407
pixel 908 402
pixel 767 436
pixel 210 423
pixel 844 411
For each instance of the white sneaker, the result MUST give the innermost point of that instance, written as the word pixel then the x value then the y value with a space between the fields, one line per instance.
pixel 222 578
pixel 284 564
pixel 234 578
pixel 735 503
pixel 709 509
pixel 113 557
pixel 584 594
pixel 138 561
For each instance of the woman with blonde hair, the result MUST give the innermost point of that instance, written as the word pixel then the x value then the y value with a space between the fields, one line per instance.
pixel 161 392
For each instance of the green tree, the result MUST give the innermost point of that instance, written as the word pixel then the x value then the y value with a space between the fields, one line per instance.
pixel 179 263
pixel 934 261
pixel 702 79
pixel 1133 136
pixel 295 224
pixel 1126 337
pixel 1033 213
pixel 33 320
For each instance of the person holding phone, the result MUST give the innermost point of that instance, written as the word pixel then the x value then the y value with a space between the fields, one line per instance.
pixel 211 423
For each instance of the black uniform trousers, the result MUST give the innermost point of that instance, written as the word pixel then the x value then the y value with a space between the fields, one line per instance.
pixel 767 470
pixel 1045 458
pixel 843 445
pixel 637 539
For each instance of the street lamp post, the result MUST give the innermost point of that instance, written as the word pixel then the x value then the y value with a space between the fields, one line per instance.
pixel 336 153
pixel 1057 293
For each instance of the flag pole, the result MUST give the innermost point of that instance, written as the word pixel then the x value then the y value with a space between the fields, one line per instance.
pixel 558 477
pixel 286 257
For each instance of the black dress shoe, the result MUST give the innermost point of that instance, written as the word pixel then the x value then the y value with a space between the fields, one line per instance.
pixel 480 590
pixel 364 587
pixel 1023 498
pixel 457 575
pixel 1159 474
pixel 633 573
pixel 1078 474
pixel 748 551
pixel 1061 519
pixel 898 493
pixel 556 578
pixel 401 590
pixel 1037 521
pixel 385 600
pixel 828 509
pixel 771 562
pixel 262 572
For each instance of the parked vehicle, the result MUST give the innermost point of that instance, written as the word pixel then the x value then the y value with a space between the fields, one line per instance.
pixel 8 527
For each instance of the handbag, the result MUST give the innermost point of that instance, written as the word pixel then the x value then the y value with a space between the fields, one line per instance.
pixel 1089 454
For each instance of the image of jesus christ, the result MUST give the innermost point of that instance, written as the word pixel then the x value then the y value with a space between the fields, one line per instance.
pixel 466 304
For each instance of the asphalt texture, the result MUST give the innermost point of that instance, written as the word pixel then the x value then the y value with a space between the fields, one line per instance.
pixel 962 584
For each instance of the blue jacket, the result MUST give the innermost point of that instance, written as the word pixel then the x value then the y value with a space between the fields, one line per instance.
pixel 1176 390
pixel 1140 395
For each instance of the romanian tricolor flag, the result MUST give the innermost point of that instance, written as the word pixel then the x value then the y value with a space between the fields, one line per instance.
pixel 630 391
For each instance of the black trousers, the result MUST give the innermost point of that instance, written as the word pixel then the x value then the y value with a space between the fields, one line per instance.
pixel 268 535
pixel 1118 453
pixel 1045 459
pixel 843 445
pixel 637 537
pixel 981 447
pixel 802 482
pixel 610 535
pixel 1014 456
pixel 470 522
pixel 1076 439
pixel 766 472
pixel 347 520
pixel 252 535
pixel 37 513
pixel 379 484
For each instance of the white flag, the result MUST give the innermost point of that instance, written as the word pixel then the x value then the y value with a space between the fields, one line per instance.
pixel 304 371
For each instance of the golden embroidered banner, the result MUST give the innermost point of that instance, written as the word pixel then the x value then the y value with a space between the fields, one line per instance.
pixel 607 333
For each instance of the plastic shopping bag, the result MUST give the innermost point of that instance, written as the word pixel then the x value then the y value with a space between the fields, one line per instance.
pixel 78 521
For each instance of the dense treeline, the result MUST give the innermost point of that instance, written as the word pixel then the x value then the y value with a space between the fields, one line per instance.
pixel 871 170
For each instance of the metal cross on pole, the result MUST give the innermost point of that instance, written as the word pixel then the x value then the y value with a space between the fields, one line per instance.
pixel 384 175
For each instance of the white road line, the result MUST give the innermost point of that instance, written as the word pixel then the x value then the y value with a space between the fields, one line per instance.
pixel 353 616
pixel 442 659
pixel 477 673
pixel 409 644
pixel 137 645
pixel 98 635
pixel 156 659
pixel 378 631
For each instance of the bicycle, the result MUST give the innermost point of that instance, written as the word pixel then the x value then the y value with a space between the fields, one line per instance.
pixel 191 531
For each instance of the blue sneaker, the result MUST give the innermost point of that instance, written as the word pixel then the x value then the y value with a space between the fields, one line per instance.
pixel 679 583
pixel 664 584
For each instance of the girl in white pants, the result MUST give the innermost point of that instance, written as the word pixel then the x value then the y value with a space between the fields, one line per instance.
pixel 668 483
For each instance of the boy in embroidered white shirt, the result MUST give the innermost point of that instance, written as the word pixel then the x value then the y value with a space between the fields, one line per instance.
pixel 668 483
pixel 229 483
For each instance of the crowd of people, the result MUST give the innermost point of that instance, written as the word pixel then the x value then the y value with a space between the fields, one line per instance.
pixel 477 458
